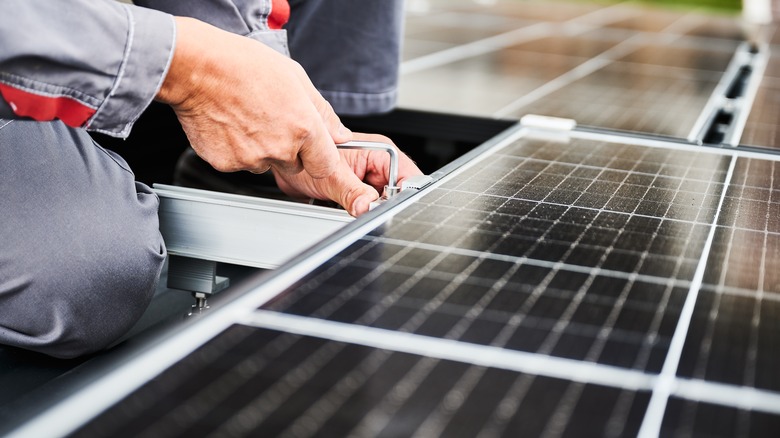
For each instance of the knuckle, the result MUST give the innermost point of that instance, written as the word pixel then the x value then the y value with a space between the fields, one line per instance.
pixel 304 135
pixel 326 110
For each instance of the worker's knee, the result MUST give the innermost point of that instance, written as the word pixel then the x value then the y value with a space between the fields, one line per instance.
pixel 84 301
pixel 82 250
pixel 114 294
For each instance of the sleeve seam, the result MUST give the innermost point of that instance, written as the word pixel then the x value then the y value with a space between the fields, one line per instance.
pixel 127 126
pixel 122 66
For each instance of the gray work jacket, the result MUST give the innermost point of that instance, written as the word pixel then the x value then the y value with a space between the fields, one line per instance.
pixel 98 64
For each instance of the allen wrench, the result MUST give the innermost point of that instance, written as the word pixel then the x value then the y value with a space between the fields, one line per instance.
pixel 392 188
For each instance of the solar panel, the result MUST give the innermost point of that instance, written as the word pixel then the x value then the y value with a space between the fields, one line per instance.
pixel 291 385
pixel 761 127
pixel 735 318
pixel 581 250
pixel 656 78
pixel 653 87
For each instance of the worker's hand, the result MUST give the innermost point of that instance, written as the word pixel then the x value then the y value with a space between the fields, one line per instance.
pixel 244 106
pixel 346 186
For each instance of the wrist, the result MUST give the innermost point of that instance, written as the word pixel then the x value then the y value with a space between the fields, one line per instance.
pixel 184 67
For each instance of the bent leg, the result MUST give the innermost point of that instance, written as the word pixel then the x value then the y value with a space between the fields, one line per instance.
pixel 350 50
pixel 82 250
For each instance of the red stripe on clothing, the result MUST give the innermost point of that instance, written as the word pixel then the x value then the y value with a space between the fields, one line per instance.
pixel 44 108
pixel 280 13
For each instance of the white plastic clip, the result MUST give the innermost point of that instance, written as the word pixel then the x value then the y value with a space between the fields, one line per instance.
pixel 548 123
pixel 548 128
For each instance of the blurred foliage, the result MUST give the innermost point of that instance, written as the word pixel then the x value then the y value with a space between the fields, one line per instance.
pixel 716 5
pixel 723 5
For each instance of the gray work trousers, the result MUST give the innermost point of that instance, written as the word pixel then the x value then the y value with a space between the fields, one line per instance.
pixel 350 49
pixel 82 252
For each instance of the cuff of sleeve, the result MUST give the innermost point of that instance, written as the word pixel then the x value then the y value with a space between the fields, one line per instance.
pixel 347 103
pixel 151 38
pixel 275 39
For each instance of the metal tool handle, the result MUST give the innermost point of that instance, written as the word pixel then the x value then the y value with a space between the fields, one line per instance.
pixel 392 188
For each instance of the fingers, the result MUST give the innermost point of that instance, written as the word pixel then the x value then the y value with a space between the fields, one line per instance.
pixel 320 156
pixel 374 166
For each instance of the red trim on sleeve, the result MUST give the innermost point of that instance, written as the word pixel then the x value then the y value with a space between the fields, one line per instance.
pixel 44 108
pixel 280 13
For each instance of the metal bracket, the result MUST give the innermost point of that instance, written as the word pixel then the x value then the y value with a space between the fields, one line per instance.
pixel 197 276
pixel 725 114
pixel 202 228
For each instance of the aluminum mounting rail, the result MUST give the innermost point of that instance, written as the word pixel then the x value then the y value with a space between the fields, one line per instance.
pixel 201 228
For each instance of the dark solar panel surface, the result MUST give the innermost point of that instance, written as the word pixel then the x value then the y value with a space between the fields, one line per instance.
pixel 630 69
pixel 734 333
pixel 256 382
pixel 761 126
pixel 688 418
pixel 633 96
pixel 718 29
pixel 532 250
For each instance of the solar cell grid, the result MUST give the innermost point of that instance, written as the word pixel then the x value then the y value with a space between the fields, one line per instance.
pixel 483 83
pixel 632 97
pixel 684 55
pixel 650 21
pixel 248 381
pixel 761 128
pixel 585 45
pixel 487 259
pixel 734 326
pixel 689 418
pixel 719 29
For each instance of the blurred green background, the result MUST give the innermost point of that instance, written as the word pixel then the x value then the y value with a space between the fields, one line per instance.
pixel 715 5
pixel 725 5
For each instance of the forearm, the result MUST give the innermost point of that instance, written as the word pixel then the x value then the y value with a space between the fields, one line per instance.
pixel 92 64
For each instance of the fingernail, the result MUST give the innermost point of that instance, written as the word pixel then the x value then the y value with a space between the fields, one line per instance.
pixel 360 206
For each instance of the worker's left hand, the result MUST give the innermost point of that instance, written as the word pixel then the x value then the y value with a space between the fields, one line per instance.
pixel 359 181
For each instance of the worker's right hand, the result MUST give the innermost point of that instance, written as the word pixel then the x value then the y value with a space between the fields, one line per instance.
pixel 361 178
pixel 244 106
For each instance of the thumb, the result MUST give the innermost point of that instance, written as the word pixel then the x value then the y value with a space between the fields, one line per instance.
pixel 344 187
